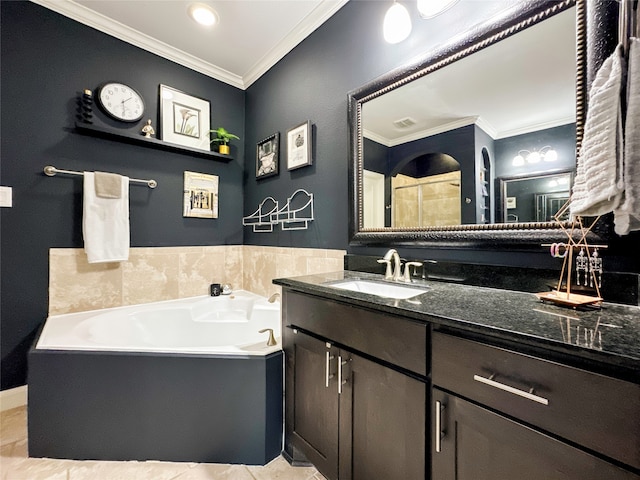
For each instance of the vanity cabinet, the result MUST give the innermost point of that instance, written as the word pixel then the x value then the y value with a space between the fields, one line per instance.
pixel 500 415
pixel 353 415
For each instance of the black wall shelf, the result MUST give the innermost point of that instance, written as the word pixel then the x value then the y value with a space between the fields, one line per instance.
pixel 111 134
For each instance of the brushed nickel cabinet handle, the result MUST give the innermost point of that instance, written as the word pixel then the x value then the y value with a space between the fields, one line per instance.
pixel 439 432
pixel 327 367
pixel 516 391
pixel 340 380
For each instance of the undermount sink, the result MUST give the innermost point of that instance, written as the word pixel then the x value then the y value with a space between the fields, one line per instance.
pixel 381 289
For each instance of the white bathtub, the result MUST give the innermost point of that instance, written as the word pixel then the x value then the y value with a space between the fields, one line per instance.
pixel 228 324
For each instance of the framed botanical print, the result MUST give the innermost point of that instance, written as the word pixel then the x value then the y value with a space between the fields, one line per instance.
pixel 299 146
pixel 184 119
pixel 267 153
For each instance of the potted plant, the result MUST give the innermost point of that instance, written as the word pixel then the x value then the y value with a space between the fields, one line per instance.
pixel 222 139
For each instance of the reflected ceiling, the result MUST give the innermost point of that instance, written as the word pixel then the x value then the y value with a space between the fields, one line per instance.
pixel 541 93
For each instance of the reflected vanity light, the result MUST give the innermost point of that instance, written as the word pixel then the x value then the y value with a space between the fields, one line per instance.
pixel 431 8
pixel 546 154
pixel 397 24
pixel 203 14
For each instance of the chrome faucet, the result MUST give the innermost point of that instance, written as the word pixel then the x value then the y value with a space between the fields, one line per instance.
pixel 393 272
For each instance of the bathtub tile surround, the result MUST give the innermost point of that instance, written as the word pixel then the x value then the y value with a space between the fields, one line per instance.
pixel 16 465
pixel 166 273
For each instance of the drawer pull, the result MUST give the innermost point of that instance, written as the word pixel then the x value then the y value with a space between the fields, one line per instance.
pixel 327 367
pixel 528 395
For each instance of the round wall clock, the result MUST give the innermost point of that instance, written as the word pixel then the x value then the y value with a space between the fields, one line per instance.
pixel 121 102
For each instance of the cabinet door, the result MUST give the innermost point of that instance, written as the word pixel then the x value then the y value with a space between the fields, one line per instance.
pixel 382 422
pixel 472 443
pixel 312 401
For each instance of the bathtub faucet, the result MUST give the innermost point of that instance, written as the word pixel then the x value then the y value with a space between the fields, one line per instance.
pixel 273 297
pixel 272 340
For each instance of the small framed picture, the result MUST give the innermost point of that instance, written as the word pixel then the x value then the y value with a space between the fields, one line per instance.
pixel 184 119
pixel 267 154
pixel 200 195
pixel 299 146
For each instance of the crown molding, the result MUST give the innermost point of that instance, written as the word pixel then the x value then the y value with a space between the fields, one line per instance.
pixel 305 27
pixel 88 17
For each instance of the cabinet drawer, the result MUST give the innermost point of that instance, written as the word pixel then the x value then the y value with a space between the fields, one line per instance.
pixel 595 411
pixel 399 341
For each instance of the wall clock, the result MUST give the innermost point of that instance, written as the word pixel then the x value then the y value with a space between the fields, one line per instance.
pixel 121 102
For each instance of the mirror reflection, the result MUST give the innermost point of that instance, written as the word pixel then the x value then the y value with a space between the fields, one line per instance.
pixel 436 150
pixel 533 198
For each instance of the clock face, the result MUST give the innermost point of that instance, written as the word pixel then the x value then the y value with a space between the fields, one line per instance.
pixel 121 102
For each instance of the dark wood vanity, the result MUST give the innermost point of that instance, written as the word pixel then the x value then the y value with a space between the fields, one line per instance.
pixel 381 389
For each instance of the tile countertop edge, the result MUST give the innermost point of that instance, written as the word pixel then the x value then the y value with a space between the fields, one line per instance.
pixel 622 364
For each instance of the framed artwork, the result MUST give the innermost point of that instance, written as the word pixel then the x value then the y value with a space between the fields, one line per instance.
pixel 267 154
pixel 299 146
pixel 200 195
pixel 184 119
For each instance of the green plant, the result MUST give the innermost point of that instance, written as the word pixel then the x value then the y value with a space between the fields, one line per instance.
pixel 222 136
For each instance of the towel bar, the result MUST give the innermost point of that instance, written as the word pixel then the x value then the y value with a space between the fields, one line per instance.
pixel 51 171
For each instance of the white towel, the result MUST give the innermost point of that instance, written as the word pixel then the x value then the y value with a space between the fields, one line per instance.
pixel 598 184
pixel 627 216
pixel 105 223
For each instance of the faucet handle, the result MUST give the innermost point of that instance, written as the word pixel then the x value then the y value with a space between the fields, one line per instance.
pixel 407 270
pixel 388 274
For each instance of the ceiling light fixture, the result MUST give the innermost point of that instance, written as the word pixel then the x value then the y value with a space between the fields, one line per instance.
pixel 203 14
pixel 431 8
pixel 546 153
pixel 397 24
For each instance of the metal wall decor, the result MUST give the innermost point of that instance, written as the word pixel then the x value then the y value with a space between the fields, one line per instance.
pixel 294 215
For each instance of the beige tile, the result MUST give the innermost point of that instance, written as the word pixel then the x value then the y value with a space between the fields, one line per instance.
pixel 95 470
pixel 150 278
pixel 234 266
pixel 13 425
pixel 208 471
pixel 323 265
pixel 34 469
pixel 280 469
pixel 258 273
pixel 75 285
pixel 198 270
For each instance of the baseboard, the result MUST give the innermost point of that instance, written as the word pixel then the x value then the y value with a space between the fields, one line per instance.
pixel 13 397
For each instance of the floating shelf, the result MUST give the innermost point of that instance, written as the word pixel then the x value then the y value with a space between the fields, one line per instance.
pixel 136 139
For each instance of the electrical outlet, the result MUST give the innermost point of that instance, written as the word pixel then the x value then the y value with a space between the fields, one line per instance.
pixel 6 194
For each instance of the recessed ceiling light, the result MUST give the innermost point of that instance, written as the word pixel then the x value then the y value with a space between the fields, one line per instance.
pixel 203 14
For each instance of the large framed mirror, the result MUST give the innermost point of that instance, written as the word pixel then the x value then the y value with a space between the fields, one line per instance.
pixel 433 143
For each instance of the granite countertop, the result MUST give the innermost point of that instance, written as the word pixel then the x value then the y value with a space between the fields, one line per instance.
pixel 610 335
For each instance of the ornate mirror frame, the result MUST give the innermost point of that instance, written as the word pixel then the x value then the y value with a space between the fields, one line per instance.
pixel 595 19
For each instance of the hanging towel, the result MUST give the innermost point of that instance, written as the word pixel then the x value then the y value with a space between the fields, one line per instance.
pixel 627 216
pixel 108 185
pixel 105 222
pixel 598 185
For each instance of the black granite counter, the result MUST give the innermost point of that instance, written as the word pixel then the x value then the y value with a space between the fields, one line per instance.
pixel 609 336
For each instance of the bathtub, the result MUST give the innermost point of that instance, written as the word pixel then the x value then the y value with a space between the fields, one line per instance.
pixel 182 380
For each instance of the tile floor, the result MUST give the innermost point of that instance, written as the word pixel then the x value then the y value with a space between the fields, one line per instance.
pixel 16 465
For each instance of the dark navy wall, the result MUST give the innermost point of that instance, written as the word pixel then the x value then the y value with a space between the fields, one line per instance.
pixel 562 139
pixel 46 60
pixel 312 82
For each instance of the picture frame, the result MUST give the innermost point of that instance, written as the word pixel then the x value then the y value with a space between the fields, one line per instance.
pixel 267 156
pixel 299 143
pixel 184 119
pixel 200 198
